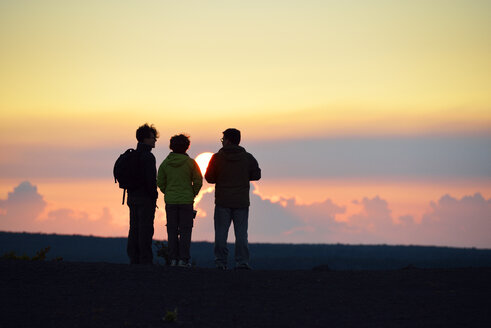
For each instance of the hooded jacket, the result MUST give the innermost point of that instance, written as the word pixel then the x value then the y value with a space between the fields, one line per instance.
pixel 231 169
pixel 179 178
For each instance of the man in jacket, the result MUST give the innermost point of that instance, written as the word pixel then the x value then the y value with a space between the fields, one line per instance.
pixel 231 169
pixel 142 200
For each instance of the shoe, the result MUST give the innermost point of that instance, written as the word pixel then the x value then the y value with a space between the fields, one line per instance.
pixel 184 264
pixel 221 267
pixel 243 266
pixel 173 263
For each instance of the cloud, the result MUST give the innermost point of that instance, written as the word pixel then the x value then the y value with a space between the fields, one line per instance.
pixel 282 221
pixel 319 224
pixel 25 210
pixel 65 214
pixel 69 221
pixel 450 221
pixel 268 221
pixel 21 208
pixel 462 222
pixel 372 223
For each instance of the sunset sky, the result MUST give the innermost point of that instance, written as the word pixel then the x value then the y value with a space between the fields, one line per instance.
pixel 371 120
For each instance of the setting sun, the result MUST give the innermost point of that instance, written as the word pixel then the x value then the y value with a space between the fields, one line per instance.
pixel 203 159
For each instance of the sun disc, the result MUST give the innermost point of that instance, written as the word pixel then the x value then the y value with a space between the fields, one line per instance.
pixel 203 159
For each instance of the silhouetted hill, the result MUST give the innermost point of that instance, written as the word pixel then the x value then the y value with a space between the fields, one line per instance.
pixel 264 256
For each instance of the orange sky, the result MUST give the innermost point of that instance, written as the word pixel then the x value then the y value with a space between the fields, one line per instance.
pixel 90 200
pixel 377 106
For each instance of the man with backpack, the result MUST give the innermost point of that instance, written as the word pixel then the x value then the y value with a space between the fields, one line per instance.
pixel 141 183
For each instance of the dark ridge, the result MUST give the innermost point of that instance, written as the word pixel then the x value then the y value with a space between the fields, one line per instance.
pixel 263 256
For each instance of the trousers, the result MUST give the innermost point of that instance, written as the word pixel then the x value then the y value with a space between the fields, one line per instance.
pixel 139 247
pixel 179 229
pixel 223 217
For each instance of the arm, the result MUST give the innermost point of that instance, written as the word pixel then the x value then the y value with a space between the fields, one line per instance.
pixel 162 178
pixel 210 174
pixel 151 176
pixel 197 178
pixel 254 170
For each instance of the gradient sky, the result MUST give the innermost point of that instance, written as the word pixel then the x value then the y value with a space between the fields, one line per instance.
pixel 360 110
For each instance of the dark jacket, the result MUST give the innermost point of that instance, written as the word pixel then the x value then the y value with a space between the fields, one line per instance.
pixel 231 169
pixel 147 175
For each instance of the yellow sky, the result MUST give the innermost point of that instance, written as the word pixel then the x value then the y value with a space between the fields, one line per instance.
pixel 287 67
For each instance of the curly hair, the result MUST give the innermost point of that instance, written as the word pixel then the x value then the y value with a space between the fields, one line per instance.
pixel 179 143
pixel 144 132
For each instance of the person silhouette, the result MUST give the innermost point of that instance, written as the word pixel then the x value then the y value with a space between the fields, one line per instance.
pixel 180 179
pixel 232 169
pixel 142 200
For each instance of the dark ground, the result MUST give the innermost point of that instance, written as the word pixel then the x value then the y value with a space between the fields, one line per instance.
pixel 66 294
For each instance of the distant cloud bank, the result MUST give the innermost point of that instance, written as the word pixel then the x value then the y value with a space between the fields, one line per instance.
pixel 463 222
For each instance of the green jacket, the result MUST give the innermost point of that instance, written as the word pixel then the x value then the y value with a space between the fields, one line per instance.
pixel 179 178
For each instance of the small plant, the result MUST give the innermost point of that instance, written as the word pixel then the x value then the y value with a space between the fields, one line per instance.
pixel 170 316
pixel 13 256
pixel 162 251
pixel 40 256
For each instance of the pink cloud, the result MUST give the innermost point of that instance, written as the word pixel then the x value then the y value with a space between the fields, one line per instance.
pixel 21 208
pixel 68 221
pixel 462 222
pixel 280 221
pixel 286 221
pixel 373 224
pixel 318 219
pixel 375 214
pixel 268 221
pixel 24 207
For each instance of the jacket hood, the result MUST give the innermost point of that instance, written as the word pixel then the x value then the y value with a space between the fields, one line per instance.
pixel 232 152
pixel 176 159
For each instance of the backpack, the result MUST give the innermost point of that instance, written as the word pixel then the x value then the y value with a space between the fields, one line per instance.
pixel 126 170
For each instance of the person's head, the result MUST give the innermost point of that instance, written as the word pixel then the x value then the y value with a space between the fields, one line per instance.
pixel 231 136
pixel 147 134
pixel 179 143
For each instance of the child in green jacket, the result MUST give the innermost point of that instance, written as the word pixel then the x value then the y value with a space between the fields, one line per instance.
pixel 180 180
